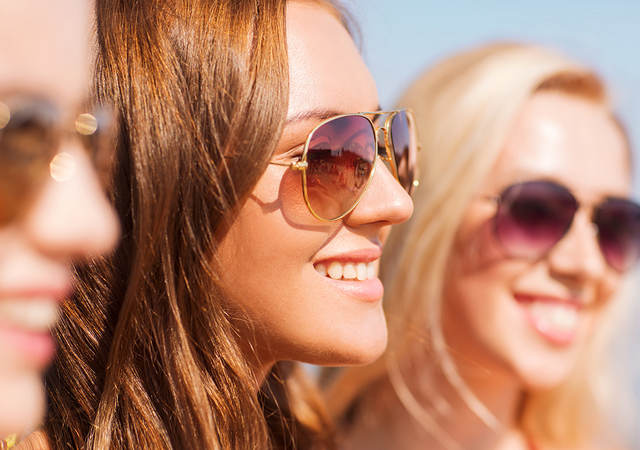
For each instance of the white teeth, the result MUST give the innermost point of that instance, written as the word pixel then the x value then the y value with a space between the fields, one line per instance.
pixel 554 317
pixel 372 270
pixel 321 269
pixel 361 269
pixel 335 270
pixel 348 271
pixel 34 315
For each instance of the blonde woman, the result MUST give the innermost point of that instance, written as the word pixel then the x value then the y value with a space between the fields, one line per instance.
pixel 501 289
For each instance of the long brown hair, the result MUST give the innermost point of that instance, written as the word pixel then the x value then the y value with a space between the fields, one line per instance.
pixel 149 356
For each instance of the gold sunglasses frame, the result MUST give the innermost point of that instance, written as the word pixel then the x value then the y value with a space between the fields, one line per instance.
pixel 301 164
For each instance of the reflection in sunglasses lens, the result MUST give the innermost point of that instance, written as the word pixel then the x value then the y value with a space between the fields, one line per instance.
pixel 27 145
pixel 533 217
pixel 618 222
pixel 340 158
pixel 404 149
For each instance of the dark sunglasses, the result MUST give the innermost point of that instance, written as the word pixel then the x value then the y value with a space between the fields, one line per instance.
pixel 535 215
pixel 338 160
pixel 31 134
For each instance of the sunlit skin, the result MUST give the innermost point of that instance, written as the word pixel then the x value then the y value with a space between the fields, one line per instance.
pixel 270 251
pixel 44 53
pixel 497 350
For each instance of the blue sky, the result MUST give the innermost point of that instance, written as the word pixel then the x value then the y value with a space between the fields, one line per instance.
pixel 401 38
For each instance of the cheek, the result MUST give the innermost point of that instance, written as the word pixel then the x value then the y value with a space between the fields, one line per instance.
pixel 609 285
pixel 475 246
pixel 478 292
pixel 261 248
pixel 264 258
pixel 483 324
pixel 479 301
pixel 293 206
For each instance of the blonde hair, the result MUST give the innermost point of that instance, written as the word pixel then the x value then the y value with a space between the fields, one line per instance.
pixel 464 108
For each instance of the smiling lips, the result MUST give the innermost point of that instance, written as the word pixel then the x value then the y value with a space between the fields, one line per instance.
pixel 26 320
pixel 557 320
pixel 337 270
pixel 356 265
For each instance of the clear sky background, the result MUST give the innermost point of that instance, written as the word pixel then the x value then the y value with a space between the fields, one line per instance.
pixel 401 38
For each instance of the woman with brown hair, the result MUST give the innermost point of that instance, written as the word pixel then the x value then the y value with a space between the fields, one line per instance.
pixel 254 210
pixel 503 289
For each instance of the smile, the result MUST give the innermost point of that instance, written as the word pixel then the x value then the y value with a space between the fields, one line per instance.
pixel 35 315
pixel 337 270
pixel 25 328
pixel 556 320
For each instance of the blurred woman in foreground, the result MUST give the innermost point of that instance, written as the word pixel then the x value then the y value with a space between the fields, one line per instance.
pixel 52 207
pixel 501 289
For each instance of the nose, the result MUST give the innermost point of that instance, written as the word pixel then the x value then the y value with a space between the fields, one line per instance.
pixel 578 254
pixel 384 202
pixel 71 218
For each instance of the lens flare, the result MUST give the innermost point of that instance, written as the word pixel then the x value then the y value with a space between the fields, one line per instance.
pixel 62 167
pixel 86 124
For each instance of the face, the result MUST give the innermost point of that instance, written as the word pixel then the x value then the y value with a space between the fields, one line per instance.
pixel 64 221
pixel 275 251
pixel 531 318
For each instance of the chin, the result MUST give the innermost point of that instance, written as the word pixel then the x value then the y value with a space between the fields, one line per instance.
pixel 353 348
pixel 368 341
pixel 366 354
pixel 544 374
pixel 23 403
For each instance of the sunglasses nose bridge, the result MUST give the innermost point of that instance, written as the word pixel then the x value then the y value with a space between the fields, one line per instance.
pixel 382 138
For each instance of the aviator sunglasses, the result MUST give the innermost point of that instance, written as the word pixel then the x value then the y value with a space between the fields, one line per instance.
pixel 533 216
pixel 31 134
pixel 339 155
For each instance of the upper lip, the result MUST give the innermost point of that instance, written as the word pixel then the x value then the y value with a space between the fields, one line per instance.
pixel 530 297
pixel 354 256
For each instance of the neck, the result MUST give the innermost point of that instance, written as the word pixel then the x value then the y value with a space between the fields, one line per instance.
pixel 443 418
pixel 259 364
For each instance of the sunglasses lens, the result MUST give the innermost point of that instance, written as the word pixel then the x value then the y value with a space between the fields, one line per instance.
pixel 533 216
pixel 341 156
pixel 404 148
pixel 618 222
pixel 97 132
pixel 26 147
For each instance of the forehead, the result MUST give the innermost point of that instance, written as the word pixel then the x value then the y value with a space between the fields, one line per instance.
pixel 326 70
pixel 44 48
pixel 568 139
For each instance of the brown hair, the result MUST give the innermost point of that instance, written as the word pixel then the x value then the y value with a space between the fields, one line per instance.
pixel 149 356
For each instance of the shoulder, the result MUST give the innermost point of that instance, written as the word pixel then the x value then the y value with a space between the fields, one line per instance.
pixel 35 441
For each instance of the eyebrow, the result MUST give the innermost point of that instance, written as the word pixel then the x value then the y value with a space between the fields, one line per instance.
pixel 316 114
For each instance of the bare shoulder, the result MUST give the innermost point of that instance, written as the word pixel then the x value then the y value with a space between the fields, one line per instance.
pixel 35 441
